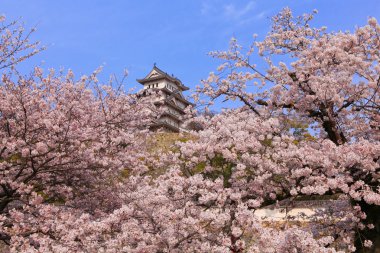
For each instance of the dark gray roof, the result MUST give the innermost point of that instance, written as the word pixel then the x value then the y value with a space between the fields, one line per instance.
pixel 163 75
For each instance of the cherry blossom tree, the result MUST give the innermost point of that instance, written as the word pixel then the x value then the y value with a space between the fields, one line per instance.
pixel 261 165
pixel 328 80
pixel 179 215
pixel 15 45
pixel 66 141
pixel 205 203
pixel 78 175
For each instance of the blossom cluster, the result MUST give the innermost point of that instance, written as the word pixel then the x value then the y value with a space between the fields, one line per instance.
pixel 78 172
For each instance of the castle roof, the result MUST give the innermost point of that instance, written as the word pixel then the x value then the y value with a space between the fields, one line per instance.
pixel 158 74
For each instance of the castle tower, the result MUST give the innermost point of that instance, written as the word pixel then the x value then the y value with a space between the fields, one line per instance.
pixel 172 101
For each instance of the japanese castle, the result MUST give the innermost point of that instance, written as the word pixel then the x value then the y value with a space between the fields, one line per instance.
pixel 172 102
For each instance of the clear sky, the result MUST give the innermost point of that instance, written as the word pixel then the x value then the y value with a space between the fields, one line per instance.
pixel 177 35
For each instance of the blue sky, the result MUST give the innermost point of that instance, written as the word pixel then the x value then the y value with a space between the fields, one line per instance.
pixel 118 34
